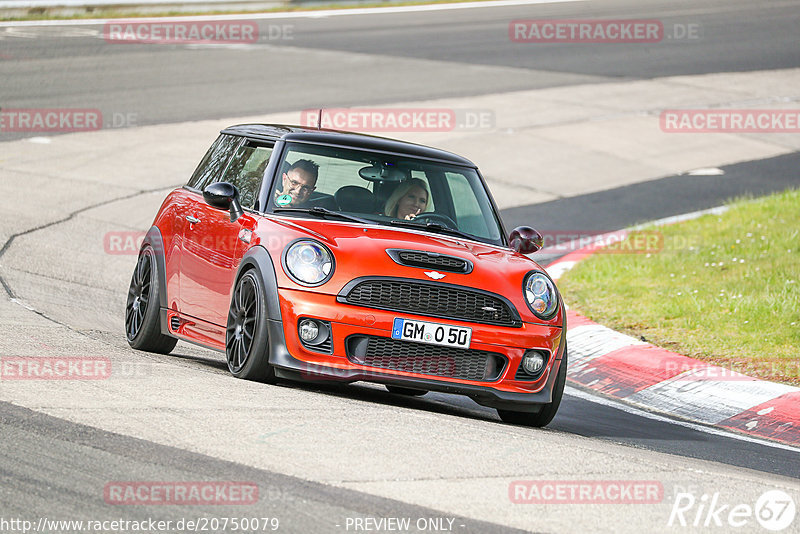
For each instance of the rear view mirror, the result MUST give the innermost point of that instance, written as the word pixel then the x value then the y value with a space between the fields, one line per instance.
pixel 382 173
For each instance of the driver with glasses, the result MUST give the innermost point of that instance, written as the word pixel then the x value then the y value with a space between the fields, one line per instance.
pixel 298 182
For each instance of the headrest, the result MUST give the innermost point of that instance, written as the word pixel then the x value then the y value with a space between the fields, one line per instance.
pixel 355 198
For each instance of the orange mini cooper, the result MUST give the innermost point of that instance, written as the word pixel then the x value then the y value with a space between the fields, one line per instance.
pixel 315 255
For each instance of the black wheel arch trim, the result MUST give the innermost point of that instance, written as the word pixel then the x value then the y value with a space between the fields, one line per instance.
pixel 258 258
pixel 154 239
pixel 156 242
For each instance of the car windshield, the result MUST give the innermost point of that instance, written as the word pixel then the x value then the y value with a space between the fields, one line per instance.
pixel 391 190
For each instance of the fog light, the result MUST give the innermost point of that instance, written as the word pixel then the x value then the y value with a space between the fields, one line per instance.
pixel 533 363
pixel 309 330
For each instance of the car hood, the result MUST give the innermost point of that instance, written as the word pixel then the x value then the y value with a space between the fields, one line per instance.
pixel 360 250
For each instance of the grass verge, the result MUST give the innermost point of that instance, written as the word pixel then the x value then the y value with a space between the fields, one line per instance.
pixel 724 288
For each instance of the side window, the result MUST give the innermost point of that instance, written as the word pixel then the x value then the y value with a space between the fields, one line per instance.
pixel 246 172
pixel 213 162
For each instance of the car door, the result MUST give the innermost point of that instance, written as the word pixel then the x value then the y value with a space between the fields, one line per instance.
pixel 213 245
pixel 209 170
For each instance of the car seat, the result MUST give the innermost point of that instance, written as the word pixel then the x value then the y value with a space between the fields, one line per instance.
pixel 355 198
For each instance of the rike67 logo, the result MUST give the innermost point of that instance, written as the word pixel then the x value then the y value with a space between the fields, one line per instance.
pixel 774 510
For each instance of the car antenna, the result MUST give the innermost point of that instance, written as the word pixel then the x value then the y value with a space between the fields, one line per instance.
pixel 319 120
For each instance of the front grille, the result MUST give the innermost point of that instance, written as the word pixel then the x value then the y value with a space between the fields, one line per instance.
pixel 430 260
pixel 425 359
pixel 430 299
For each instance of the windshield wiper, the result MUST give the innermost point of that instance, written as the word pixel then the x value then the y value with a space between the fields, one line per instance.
pixel 432 226
pixel 325 212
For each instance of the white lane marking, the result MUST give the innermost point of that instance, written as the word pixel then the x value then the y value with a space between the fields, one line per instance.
pixel 298 14
pixel 18 33
pixel 48 32
pixel 706 171
pixel 227 46
pixel 557 269
pixel 574 392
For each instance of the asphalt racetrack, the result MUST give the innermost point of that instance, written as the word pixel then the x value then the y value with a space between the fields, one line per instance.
pixel 567 136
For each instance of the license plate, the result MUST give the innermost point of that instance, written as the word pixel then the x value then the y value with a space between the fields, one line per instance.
pixel 434 333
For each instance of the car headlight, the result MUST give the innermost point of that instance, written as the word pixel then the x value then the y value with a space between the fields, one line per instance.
pixel 308 262
pixel 541 295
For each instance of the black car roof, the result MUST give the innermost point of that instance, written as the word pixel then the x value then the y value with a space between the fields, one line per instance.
pixel 275 132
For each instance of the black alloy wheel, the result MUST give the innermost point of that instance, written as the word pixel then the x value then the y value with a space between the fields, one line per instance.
pixel 246 338
pixel 142 323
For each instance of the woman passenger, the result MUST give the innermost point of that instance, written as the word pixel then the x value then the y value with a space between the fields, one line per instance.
pixel 408 200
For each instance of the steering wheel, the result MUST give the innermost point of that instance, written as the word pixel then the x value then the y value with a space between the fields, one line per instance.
pixel 437 217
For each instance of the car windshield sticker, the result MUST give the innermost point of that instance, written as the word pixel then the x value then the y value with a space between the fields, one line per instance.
pixel 283 200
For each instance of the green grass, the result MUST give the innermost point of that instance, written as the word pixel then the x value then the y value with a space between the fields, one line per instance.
pixel 724 289
pixel 39 13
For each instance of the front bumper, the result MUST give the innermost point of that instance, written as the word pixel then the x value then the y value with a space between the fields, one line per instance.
pixel 294 361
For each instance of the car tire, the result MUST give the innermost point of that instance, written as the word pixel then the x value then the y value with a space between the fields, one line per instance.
pixel 548 411
pixel 411 392
pixel 142 321
pixel 247 337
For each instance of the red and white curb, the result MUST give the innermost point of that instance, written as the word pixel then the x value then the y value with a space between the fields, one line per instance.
pixel 650 377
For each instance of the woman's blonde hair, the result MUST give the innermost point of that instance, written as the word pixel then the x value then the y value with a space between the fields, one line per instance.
pixel 402 189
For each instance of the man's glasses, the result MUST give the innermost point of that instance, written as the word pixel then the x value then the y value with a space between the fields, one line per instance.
pixel 299 185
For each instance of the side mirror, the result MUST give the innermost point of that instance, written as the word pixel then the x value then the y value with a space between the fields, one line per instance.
pixel 225 196
pixel 525 240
